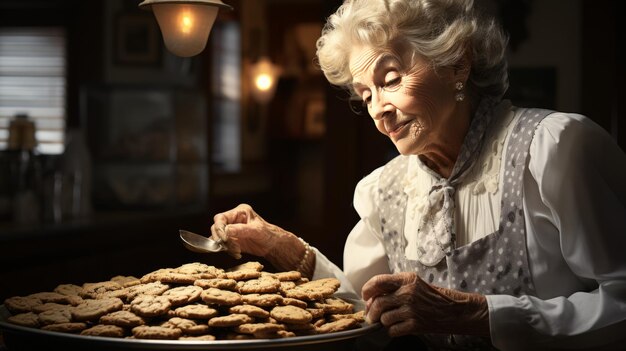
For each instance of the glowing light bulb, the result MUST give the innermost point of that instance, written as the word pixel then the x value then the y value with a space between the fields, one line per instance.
pixel 186 23
pixel 264 82
pixel 264 76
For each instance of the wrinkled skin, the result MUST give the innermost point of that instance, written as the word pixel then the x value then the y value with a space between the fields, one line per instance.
pixel 405 305
pixel 243 230
pixel 413 104
pixel 249 232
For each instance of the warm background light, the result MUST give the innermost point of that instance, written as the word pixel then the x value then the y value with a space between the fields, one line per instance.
pixel 264 76
pixel 264 82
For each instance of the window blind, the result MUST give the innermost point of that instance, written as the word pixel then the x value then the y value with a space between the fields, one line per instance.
pixel 33 82
pixel 226 86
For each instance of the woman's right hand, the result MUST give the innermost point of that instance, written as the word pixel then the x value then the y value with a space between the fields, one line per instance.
pixel 243 230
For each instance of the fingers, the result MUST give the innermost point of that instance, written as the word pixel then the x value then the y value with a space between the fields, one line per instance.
pixel 401 328
pixel 240 214
pixel 379 285
pixel 243 230
pixel 229 232
pixel 390 300
pixel 396 314
pixel 224 235
pixel 233 247
pixel 218 232
pixel 380 292
pixel 221 233
pixel 398 320
pixel 383 284
pixel 231 225
pixel 373 309
pixel 380 305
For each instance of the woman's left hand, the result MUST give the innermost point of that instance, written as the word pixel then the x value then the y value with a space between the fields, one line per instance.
pixel 405 304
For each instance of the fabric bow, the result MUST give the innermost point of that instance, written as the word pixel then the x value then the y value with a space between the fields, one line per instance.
pixel 436 235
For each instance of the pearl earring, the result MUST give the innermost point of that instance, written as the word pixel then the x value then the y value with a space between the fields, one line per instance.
pixel 459 96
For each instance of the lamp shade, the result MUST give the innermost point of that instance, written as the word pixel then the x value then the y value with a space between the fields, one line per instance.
pixel 185 25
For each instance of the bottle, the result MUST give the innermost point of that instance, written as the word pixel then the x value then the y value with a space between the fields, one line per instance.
pixel 25 170
pixel 76 174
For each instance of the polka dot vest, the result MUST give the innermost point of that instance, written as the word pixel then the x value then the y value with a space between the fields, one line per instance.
pixel 494 264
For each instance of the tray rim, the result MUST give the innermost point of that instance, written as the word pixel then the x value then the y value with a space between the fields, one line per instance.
pixel 9 328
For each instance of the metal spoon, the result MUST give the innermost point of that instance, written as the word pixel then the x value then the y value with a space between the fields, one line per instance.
pixel 198 243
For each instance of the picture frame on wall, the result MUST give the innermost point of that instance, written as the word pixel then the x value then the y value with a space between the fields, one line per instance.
pixel 314 118
pixel 137 40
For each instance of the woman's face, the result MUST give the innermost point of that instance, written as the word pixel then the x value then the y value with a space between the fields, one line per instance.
pixel 410 103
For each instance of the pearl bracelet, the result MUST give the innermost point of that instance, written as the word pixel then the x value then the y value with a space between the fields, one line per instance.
pixel 307 249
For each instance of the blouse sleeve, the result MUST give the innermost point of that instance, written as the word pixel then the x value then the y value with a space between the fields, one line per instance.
pixel 364 254
pixel 580 175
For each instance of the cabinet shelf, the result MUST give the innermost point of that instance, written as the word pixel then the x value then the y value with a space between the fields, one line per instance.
pixel 149 146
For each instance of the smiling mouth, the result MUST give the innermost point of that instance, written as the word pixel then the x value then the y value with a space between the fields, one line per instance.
pixel 396 128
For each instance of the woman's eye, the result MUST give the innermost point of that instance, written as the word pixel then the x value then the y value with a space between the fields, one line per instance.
pixel 367 100
pixel 393 82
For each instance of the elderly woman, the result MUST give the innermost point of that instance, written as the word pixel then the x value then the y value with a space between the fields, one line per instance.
pixel 496 226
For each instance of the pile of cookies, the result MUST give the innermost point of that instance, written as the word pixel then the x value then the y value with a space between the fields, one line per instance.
pixel 194 301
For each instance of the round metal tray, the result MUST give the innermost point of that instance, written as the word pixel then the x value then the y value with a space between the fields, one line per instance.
pixel 23 338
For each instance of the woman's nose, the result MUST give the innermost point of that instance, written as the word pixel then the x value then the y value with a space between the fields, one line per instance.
pixel 379 106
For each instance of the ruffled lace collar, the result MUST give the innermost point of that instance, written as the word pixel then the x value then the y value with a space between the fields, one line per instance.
pixel 481 179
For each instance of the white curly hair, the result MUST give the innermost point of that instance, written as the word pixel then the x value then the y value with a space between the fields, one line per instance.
pixel 438 30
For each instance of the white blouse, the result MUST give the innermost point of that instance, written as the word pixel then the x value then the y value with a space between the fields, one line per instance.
pixel 575 214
